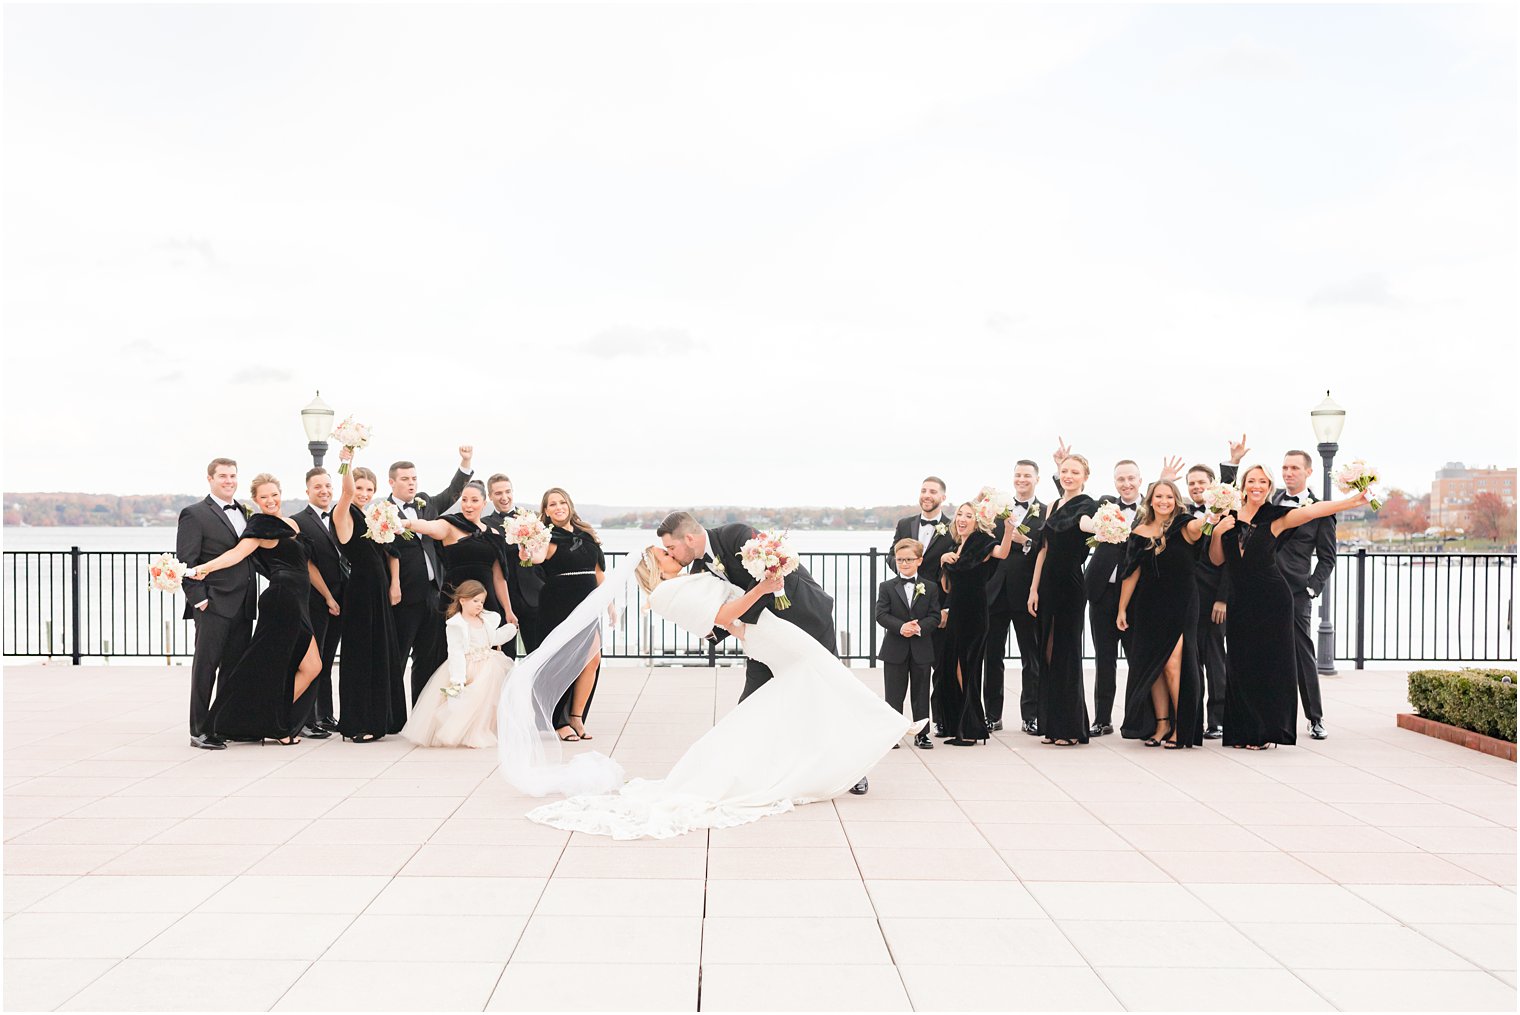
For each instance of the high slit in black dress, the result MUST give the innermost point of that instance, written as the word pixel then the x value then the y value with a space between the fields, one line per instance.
pixel 1062 615
pixel 370 672
pixel 1261 696
pixel 569 577
pixel 254 701
pixel 963 642
pixel 1163 610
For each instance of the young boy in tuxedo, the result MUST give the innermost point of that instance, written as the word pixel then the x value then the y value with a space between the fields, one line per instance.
pixel 907 608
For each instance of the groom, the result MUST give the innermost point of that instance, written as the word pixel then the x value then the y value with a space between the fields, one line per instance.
pixel 717 552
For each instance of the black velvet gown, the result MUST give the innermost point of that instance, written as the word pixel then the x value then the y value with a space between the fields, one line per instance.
pixel 569 577
pixel 1062 616
pixel 963 642
pixel 1163 611
pixel 369 674
pixel 473 557
pixel 254 700
pixel 1261 696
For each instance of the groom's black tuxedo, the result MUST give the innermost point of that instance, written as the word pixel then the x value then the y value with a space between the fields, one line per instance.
pixel 224 626
pixel 334 569
pixel 812 608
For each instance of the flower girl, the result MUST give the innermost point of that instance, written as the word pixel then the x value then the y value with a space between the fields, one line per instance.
pixel 457 708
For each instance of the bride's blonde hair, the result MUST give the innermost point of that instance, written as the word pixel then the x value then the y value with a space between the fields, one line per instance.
pixel 648 572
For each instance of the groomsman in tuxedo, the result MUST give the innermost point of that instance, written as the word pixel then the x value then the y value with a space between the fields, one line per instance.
pixel 223 604
pixel 315 520
pixel 1101 582
pixel 907 609
pixel 1306 558
pixel 932 528
pixel 523 582
pixel 1008 606
pixel 419 620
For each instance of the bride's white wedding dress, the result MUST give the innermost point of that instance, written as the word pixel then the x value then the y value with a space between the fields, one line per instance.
pixel 810 733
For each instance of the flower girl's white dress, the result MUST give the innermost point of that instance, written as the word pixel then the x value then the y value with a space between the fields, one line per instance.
pixel 809 733
pixel 467 719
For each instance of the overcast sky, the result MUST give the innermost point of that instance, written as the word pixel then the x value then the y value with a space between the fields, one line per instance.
pixel 754 254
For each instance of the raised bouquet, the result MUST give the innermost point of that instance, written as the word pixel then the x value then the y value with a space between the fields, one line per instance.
pixel 352 435
pixel 382 522
pixel 990 506
pixel 769 555
pixel 1112 527
pixel 1358 475
pixel 1219 499
pixel 526 531
pixel 167 574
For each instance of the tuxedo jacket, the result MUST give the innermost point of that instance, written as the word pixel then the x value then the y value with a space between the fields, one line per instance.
pixel 331 564
pixel 893 611
pixel 416 553
pixel 941 544
pixel 1106 557
pixel 812 608
pixel 203 533
pixel 524 583
pixel 1213 582
pixel 1306 555
pixel 1008 586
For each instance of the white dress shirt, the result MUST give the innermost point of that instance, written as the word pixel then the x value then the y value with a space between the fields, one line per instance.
pixel 402 510
pixel 1129 515
pixel 236 517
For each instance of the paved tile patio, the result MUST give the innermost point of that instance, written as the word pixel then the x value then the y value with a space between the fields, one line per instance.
pixel 1373 870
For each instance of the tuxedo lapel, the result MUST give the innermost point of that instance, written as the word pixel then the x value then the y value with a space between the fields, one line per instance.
pixel 217 510
pixel 316 516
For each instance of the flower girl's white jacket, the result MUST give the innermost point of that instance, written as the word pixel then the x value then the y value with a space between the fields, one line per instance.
pixel 458 631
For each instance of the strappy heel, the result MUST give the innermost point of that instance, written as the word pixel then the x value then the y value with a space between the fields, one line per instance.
pixel 364 738
pixel 582 735
pixel 282 742
pixel 571 737
pixel 1160 738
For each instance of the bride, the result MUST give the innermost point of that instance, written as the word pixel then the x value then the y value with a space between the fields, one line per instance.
pixel 757 760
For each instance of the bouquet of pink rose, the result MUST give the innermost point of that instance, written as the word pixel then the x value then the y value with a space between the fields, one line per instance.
pixel 382 522
pixel 1219 500
pixel 351 435
pixel 1358 475
pixel 1111 525
pixel 167 574
pixel 527 532
pixel 769 555
pixel 990 506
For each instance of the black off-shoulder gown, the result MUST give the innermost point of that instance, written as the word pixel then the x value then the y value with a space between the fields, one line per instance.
pixel 1061 618
pixel 569 577
pixel 370 672
pixel 963 642
pixel 473 557
pixel 1261 696
pixel 1163 611
pixel 254 700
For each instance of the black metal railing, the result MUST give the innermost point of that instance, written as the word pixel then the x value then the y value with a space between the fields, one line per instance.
pixel 1388 607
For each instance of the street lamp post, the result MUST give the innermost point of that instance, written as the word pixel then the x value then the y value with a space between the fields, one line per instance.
pixel 317 420
pixel 1327 419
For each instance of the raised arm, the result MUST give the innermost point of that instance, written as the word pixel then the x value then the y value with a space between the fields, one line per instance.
pixel 1005 546
pixel 433 527
pixel 239 553
pixel 1320 509
pixel 456 486
pixel 1216 543
pixel 342 520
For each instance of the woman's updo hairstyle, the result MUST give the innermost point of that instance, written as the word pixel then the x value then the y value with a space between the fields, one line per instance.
pixel 260 480
pixel 648 572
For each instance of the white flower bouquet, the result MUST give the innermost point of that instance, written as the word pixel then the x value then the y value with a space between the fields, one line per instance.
pixel 528 533
pixel 352 435
pixel 382 522
pixel 769 555
pixel 991 505
pixel 1111 525
pixel 1219 499
pixel 166 573
pixel 1358 475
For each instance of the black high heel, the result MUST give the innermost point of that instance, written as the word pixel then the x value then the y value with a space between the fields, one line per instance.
pixel 364 738
pixel 1156 741
pixel 583 735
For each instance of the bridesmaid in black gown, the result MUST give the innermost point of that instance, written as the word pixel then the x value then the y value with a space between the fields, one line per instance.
pixel 1158 606
pixel 1059 604
pixel 961 647
pixel 469 549
pixel 371 670
pixel 266 695
pixel 1261 696
pixel 573 566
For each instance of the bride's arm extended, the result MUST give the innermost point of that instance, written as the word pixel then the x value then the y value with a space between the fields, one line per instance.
pixel 732 610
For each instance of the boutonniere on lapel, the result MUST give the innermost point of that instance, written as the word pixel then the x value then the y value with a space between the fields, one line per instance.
pixel 247 511
pixel 419 502
pixel 717 565
pixel 941 529
pixel 919 589
pixel 1032 513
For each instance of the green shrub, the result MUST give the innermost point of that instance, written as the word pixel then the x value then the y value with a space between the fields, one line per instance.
pixel 1473 699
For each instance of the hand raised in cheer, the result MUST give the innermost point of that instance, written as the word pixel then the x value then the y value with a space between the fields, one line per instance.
pixel 466 454
pixel 1171 468
pixel 1062 452
pixel 1238 450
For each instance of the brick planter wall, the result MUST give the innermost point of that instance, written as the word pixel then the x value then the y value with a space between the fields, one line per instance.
pixel 1456 735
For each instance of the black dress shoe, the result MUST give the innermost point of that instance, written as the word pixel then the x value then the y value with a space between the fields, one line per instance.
pixel 206 743
pixel 994 725
pixel 330 725
pixel 315 733
pixel 861 787
pixel 923 743
pixel 897 747
pixel 1032 727
pixel 1317 731
pixel 1100 729
pixel 939 730
pixel 1214 733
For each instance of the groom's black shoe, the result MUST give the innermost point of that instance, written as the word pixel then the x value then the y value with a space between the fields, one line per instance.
pixel 923 743
pixel 315 733
pixel 939 730
pixel 861 787
pixel 206 743
pixel 1032 727
pixel 995 725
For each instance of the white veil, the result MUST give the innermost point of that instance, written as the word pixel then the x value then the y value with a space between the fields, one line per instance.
pixel 530 752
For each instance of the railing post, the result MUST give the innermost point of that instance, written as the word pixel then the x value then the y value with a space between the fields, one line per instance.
pixel 74 597
pixel 1361 607
pixel 868 597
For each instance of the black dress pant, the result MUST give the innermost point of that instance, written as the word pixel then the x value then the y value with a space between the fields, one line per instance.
pixel 1026 635
pixel 219 643
pixel 1026 631
pixel 1308 663
pixel 907 680
pixel 993 668
pixel 420 637
pixel 1103 617
pixel 1211 657
pixel 755 675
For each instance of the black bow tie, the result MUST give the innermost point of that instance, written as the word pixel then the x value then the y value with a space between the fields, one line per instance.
pixel 1290 496
pixel 231 507
pixel 1021 503
pixel 326 515
pixel 928 521
pixel 1127 507
pixel 908 581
